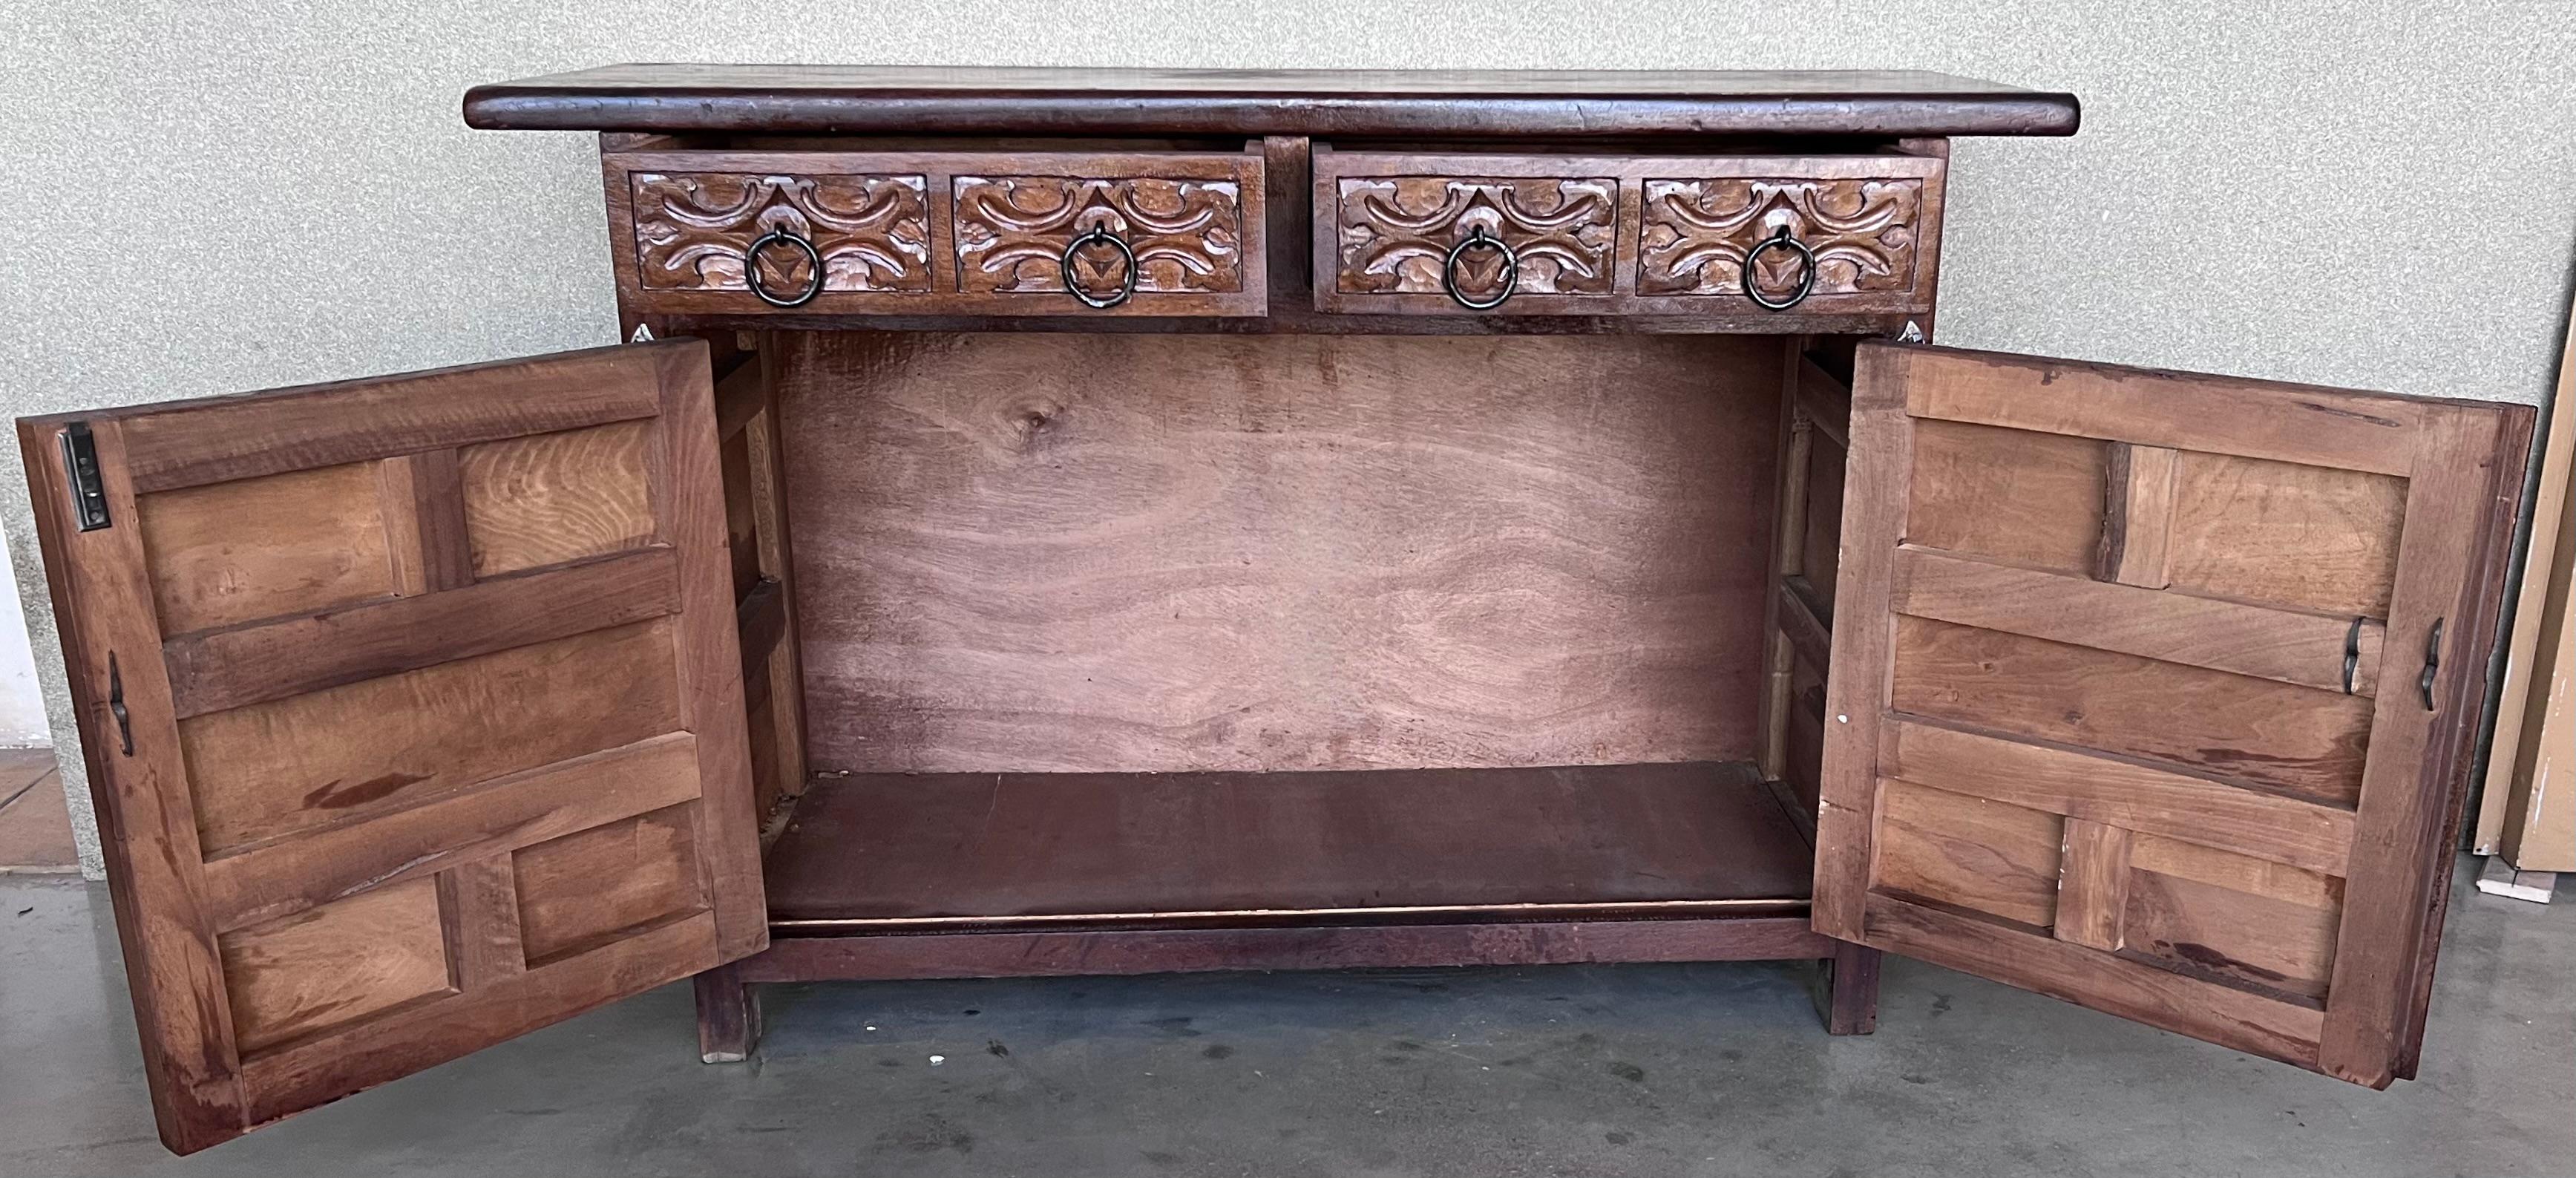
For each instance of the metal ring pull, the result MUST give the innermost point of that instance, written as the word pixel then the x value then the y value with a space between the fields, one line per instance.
pixel 813 270
pixel 1127 278
pixel 1806 270
pixel 1477 236
pixel 2432 664
pixel 2351 653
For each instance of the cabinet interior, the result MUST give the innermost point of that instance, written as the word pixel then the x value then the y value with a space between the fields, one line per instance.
pixel 1139 627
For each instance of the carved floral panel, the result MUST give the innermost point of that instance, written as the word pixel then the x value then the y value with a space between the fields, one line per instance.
pixel 1696 233
pixel 1187 235
pixel 691 230
pixel 1396 233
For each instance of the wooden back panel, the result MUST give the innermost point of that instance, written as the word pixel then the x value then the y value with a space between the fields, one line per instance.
pixel 2153 691
pixel 1098 553
pixel 413 713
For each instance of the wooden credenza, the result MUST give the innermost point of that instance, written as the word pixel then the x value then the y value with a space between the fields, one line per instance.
pixel 1057 522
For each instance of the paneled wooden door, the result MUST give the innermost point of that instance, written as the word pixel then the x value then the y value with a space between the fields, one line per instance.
pixel 2153 692
pixel 413 712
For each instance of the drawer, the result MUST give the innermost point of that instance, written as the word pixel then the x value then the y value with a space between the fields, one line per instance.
pixel 1528 234
pixel 938 233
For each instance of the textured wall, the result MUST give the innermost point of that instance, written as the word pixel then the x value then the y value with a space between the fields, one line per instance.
pixel 215 197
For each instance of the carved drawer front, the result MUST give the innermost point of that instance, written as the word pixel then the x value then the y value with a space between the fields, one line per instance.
pixel 1181 222
pixel 938 233
pixel 1500 234
pixel 694 230
pixel 1861 230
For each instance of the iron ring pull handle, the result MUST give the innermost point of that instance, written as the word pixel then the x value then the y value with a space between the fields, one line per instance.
pixel 1100 235
pixel 813 269
pixel 1476 236
pixel 1806 270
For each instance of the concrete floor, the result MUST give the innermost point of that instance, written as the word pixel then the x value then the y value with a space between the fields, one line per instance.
pixel 1661 1070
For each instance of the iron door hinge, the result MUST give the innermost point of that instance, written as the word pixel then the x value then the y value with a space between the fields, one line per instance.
pixel 80 465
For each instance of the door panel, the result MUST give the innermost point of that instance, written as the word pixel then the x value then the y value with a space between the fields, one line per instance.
pixel 413 712
pixel 2152 691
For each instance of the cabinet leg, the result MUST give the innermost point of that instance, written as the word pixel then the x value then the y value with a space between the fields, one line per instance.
pixel 728 1016
pixel 1847 990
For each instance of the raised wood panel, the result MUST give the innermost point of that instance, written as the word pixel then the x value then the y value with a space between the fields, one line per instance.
pixel 2306 536
pixel 1973 853
pixel 220 439
pixel 2290 647
pixel 2177 410
pixel 2243 873
pixel 2137 514
pixel 2084 784
pixel 2093 885
pixel 424 522
pixel 399 1042
pixel 1018 552
pixel 265 547
pixel 293 764
pixel 552 498
pixel 2031 498
pixel 2235 935
pixel 2223 701
pixel 2298 740
pixel 2263 1025
pixel 479 903
pixel 214 671
pixel 309 818
pixel 330 966
pixel 486 821
pixel 585 888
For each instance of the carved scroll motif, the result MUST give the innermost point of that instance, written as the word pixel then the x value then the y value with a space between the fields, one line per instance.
pixel 1696 233
pixel 1187 235
pixel 1396 233
pixel 873 232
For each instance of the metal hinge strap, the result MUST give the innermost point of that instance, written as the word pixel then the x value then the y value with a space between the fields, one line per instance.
pixel 80 465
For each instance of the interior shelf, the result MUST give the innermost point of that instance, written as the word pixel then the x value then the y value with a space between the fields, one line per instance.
pixel 887 852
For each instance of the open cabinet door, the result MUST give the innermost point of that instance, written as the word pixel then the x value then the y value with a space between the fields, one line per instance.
pixel 413 712
pixel 2153 692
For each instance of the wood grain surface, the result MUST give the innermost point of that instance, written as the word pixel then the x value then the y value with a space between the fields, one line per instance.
pixel 1119 553
pixel 1003 846
pixel 921 100
pixel 2206 670
pixel 356 825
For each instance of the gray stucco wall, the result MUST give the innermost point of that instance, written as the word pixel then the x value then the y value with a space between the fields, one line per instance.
pixel 217 197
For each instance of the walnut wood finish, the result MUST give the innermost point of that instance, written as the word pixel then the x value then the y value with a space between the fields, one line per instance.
pixel 937 233
pixel 2147 721
pixel 481 772
pixel 1641 234
pixel 933 850
pixel 1066 952
pixel 1177 553
pixel 1479 104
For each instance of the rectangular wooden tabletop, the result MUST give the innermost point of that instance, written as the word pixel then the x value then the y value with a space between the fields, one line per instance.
pixel 1469 103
